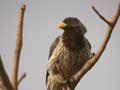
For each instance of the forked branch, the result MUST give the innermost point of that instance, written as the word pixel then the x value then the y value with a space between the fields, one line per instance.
pixel 18 47
pixel 91 62
pixel 5 83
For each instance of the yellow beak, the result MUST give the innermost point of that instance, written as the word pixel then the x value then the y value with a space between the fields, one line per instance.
pixel 61 25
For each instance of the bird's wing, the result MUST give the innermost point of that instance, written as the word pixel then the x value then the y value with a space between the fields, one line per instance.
pixel 88 43
pixel 52 47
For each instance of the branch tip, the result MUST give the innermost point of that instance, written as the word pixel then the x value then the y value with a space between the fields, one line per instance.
pixel 23 7
pixel 22 77
pixel 101 17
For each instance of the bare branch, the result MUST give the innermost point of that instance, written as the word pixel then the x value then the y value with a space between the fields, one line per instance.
pixel 91 62
pixel 102 17
pixel 21 78
pixel 115 17
pixel 18 47
pixel 4 79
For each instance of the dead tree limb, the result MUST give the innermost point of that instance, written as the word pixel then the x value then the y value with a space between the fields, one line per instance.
pixel 18 47
pixel 4 79
pixel 92 61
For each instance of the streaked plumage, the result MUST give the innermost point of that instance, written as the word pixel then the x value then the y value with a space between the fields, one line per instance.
pixel 68 54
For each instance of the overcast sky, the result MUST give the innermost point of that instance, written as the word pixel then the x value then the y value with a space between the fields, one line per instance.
pixel 41 18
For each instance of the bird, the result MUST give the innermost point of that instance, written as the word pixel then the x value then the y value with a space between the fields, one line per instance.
pixel 68 53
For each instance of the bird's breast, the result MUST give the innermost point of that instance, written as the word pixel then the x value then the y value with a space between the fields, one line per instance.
pixel 66 62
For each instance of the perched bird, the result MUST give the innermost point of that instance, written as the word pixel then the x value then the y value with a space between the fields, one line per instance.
pixel 68 53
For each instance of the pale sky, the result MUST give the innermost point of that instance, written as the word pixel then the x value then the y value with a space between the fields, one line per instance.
pixel 41 18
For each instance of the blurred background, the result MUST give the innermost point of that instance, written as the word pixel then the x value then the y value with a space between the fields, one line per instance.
pixel 41 18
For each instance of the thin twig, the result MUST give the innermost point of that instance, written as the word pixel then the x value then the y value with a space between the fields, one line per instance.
pixel 18 47
pixel 102 17
pixel 4 79
pixel 21 78
pixel 90 63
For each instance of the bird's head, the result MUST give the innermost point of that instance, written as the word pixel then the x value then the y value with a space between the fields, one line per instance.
pixel 72 24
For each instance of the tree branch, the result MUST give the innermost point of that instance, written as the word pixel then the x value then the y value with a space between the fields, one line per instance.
pixel 18 47
pixel 102 17
pixel 21 78
pixel 4 79
pixel 91 62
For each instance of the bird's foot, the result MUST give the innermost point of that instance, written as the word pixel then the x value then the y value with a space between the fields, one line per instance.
pixel 68 80
pixel 92 54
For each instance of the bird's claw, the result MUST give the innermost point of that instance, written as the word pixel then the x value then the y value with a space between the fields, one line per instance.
pixel 69 80
pixel 92 54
